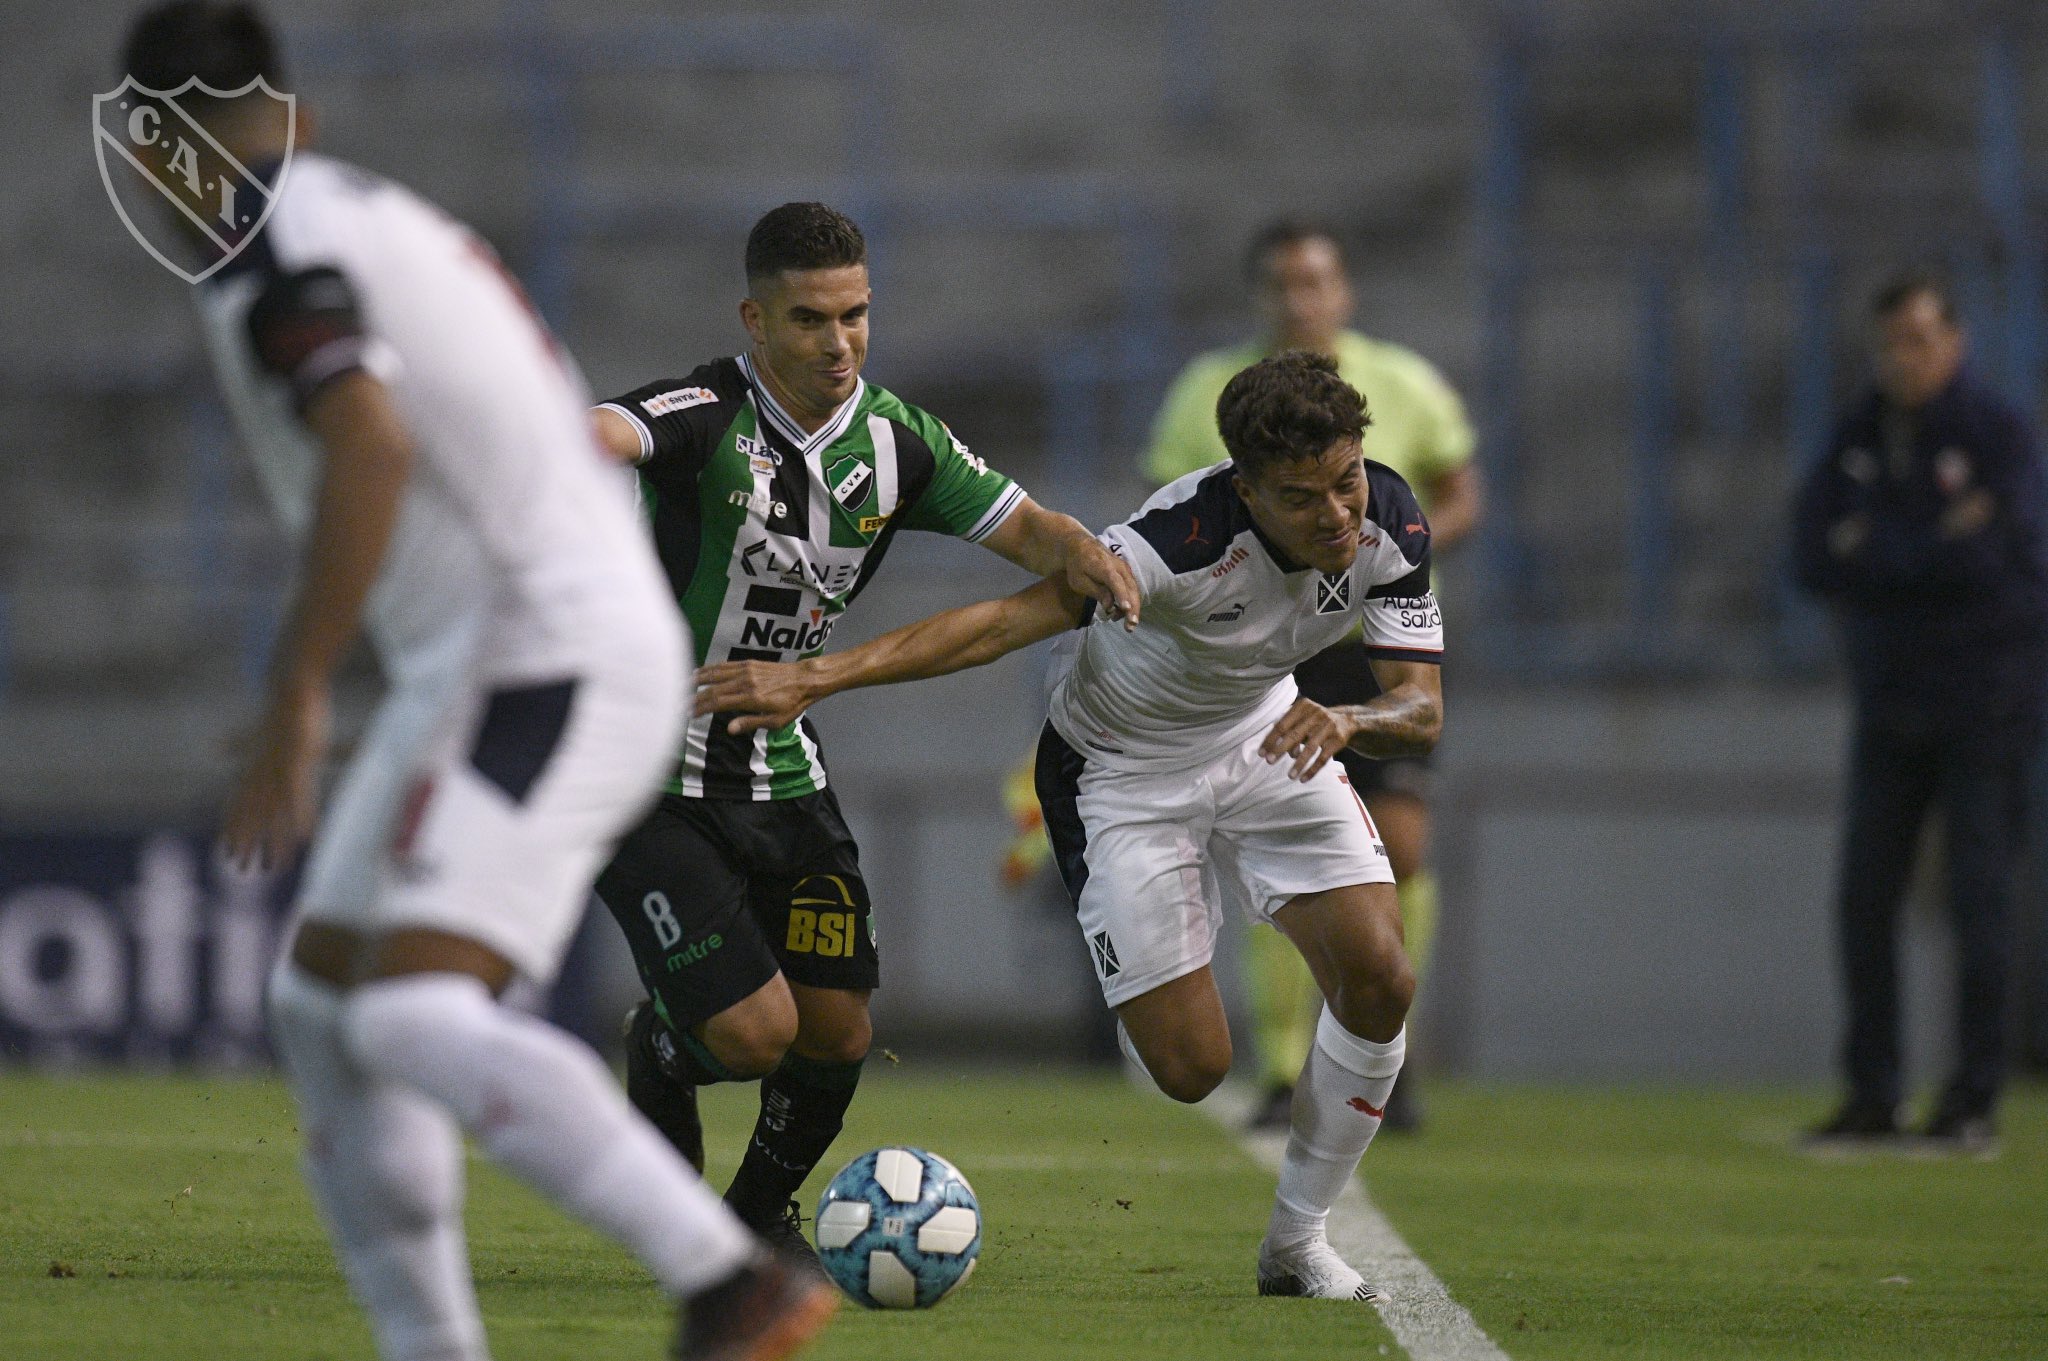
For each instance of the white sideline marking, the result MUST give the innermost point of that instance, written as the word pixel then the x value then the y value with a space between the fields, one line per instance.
pixel 1417 1309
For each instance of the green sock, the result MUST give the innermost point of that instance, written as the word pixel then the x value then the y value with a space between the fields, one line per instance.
pixel 803 1107
pixel 695 1063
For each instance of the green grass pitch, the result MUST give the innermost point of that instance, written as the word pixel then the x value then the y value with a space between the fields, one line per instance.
pixel 163 1217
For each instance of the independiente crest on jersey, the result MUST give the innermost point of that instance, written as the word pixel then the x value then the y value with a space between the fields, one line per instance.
pixel 187 189
pixel 1333 593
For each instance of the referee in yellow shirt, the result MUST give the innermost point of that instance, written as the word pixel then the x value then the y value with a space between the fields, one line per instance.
pixel 1419 429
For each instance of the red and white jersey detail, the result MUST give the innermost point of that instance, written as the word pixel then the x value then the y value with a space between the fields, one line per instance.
pixel 511 506
pixel 1227 617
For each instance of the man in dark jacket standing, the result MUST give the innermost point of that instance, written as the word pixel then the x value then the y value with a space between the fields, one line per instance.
pixel 1922 527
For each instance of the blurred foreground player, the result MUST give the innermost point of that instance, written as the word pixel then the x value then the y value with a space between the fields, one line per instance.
pixel 1179 754
pixel 776 481
pixel 417 425
pixel 1296 272
pixel 1922 527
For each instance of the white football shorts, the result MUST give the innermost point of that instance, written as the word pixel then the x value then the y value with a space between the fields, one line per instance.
pixel 1150 857
pixel 507 805
pixel 346 863
pixel 504 832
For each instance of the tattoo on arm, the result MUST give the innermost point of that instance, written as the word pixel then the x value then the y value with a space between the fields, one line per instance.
pixel 1405 721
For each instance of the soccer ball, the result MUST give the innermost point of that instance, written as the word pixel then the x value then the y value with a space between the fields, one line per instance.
pixel 898 1228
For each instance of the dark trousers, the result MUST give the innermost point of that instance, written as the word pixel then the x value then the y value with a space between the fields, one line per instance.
pixel 1979 784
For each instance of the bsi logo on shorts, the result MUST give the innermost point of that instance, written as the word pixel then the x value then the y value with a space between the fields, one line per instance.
pixel 815 932
pixel 188 190
pixel 1104 950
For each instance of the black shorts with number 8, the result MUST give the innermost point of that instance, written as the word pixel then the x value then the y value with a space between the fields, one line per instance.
pixel 716 896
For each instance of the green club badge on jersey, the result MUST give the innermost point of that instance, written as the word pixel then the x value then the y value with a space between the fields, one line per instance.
pixel 851 481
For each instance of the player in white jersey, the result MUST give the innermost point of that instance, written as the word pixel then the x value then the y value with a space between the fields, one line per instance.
pixel 1179 766
pixel 422 432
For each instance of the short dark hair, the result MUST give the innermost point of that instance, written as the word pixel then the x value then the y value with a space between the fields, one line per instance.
pixel 1286 231
pixel 1292 406
pixel 224 45
pixel 1908 284
pixel 803 236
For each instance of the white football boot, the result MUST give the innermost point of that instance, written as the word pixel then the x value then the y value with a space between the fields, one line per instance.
pixel 1310 1269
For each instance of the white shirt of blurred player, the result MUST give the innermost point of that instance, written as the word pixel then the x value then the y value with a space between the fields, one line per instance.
pixel 511 506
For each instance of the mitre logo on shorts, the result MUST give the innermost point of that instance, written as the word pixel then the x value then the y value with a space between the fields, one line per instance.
pixel 1333 593
pixel 187 190
pixel 677 399
pixel 1104 950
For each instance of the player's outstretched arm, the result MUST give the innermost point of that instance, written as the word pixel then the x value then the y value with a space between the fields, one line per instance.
pixel 1049 544
pixel 368 458
pixel 1404 719
pixel 772 694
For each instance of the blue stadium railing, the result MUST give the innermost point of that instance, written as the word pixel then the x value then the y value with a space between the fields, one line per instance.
pixel 1994 246
pixel 1098 385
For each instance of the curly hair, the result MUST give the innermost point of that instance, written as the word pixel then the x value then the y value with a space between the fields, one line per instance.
pixel 1291 406
pixel 803 236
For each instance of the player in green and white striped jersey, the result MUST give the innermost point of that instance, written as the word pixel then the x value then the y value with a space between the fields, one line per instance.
pixel 775 482
pixel 769 531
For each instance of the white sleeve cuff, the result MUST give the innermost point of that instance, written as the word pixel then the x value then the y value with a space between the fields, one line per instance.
pixel 992 520
pixel 639 428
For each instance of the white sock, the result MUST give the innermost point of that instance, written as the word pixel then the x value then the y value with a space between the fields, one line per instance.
pixel 1337 1105
pixel 543 1106
pixel 385 1165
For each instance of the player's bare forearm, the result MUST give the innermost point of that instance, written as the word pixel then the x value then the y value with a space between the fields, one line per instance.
pixel 772 694
pixel 1048 544
pixel 1406 718
pixel 957 640
pixel 367 460
pixel 1403 722
pixel 368 457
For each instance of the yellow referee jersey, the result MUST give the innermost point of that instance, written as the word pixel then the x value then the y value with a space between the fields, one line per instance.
pixel 1419 427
